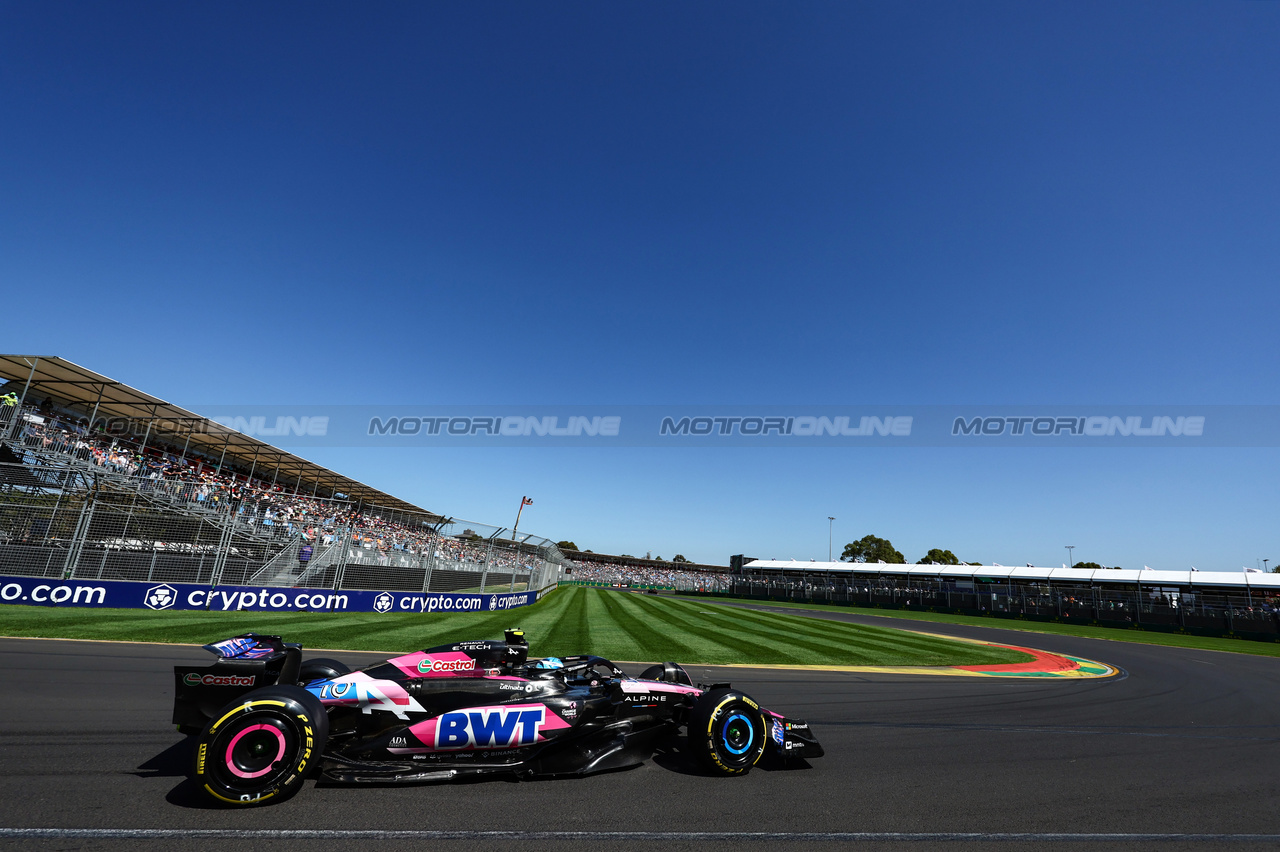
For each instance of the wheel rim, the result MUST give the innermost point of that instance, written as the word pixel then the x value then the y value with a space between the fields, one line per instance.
pixel 254 754
pixel 254 750
pixel 737 734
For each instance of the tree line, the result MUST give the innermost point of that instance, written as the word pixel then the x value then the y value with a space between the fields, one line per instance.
pixel 872 548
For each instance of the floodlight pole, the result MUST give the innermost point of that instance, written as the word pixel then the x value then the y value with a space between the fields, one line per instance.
pixel 1264 565
pixel 830 522
pixel 1070 562
pixel 524 501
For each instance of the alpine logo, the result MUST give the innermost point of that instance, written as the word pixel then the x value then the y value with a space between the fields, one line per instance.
pixel 490 728
pixel 195 679
pixel 435 666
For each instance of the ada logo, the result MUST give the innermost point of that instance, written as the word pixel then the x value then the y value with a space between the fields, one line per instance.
pixel 496 728
pixel 382 603
pixel 160 597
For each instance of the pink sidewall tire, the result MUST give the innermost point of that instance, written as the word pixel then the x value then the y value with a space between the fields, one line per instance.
pixel 260 748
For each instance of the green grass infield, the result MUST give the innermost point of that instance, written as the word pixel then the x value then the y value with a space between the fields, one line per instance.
pixel 1084 631
pixel 572 620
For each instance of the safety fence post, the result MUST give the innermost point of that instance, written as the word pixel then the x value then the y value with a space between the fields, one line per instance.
pixel 78 537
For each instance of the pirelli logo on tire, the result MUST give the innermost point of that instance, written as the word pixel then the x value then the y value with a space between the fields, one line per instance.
pixel 262 748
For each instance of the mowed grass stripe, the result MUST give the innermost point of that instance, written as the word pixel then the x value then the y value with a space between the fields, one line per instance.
pixel 837 643
pixel 618 625
pixel 872 638
pixel 640 631
pixel 701 645
pixel 808 639
pixel 722 644
pixel 556 616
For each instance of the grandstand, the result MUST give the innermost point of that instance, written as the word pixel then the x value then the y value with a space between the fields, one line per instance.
pixel 1245 604
pixel 100 480
pixel 634 572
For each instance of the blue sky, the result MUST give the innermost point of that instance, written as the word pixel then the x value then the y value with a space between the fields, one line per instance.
pixel 689 203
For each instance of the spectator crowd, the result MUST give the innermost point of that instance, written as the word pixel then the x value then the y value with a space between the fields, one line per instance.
pixel 649 575
pixel 261 506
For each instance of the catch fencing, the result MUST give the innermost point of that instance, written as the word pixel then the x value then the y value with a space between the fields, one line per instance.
pixel 66 516
pixel 1201 612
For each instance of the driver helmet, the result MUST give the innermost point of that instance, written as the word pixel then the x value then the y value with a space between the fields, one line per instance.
pixel 549 663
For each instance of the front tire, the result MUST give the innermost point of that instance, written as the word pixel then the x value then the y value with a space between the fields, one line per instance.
pixel 262 746
pixel 726 732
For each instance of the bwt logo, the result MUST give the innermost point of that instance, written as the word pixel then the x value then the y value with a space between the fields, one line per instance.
pixel 1094 427
pixel 507 427
pixel 311 427
pixel 803 427
pixel 497 728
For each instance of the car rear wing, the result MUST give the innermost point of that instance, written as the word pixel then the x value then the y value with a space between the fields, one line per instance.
pixel 245 662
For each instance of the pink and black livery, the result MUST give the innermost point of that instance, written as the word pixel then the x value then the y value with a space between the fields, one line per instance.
pixel 266 720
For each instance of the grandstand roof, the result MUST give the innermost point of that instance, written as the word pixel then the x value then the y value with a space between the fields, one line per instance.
pixel 83 388
pixel 1147 576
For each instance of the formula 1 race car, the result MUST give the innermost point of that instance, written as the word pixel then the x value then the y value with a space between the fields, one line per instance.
pixel 266 720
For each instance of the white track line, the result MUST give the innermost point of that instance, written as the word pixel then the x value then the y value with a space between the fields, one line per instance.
pixel 730 836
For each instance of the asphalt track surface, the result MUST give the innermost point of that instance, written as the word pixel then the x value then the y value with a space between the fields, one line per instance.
pixel 1178 752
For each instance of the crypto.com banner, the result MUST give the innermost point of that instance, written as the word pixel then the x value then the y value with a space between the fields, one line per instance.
pixel 34 591
pixel 743 426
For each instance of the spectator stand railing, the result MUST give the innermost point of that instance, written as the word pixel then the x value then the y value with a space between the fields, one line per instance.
pixel 1218 613
pixel 68 510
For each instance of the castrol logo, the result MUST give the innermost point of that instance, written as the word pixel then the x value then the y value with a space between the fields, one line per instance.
pixel 434 666
pixel 193 679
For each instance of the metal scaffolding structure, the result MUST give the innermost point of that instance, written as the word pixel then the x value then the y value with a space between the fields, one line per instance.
pixel 175 497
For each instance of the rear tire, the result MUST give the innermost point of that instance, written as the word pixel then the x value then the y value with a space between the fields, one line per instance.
pixel 667 673
pixel 726 732
pixel 321 667
pixel 261 747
